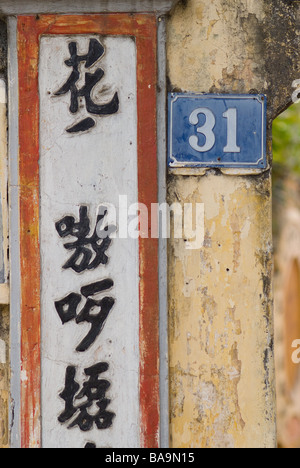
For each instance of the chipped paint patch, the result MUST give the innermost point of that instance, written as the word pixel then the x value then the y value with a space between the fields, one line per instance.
pixel 24 376
pixel 2 352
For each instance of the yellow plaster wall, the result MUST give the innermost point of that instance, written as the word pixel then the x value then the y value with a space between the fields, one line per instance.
pixel 221 363
pixel 220 314
pixel 216 45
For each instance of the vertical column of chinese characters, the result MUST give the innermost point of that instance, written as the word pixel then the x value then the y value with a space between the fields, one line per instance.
pixel 86 405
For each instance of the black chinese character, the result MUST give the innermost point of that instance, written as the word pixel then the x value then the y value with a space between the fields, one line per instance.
pixel 89 251
pixel 94 311
pixel 96 51
pixel 93 394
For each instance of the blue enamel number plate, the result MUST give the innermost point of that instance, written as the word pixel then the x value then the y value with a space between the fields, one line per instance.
pixel 217 131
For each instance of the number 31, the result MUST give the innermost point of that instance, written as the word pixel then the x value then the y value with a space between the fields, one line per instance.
pixel 208 130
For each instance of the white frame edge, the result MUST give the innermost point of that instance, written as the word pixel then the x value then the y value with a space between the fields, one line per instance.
pixel 15 280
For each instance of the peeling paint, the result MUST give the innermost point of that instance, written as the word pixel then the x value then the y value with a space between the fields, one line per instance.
pixel 221 322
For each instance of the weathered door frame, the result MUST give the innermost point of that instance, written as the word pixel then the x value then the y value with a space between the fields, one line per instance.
pixel 11 8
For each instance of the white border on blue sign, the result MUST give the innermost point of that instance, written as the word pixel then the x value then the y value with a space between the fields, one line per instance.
pixel 174 164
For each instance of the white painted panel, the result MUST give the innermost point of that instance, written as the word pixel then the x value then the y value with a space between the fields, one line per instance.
pixel 88 169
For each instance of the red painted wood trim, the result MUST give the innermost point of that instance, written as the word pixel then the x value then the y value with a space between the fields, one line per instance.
pixel 30 28
pixel 148 191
